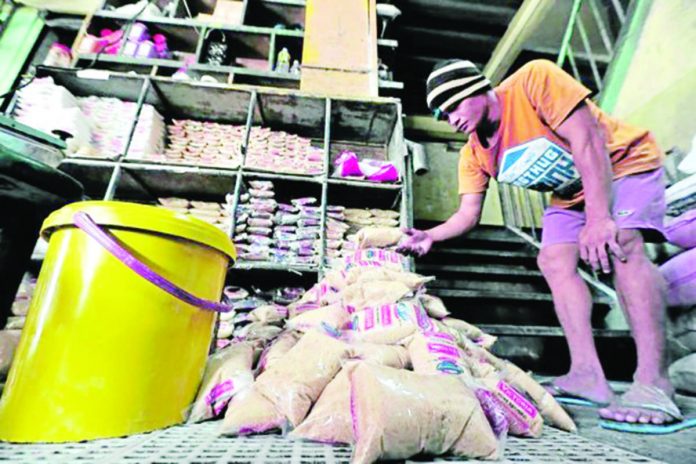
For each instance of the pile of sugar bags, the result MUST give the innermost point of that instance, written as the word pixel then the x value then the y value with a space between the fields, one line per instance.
pixel 366 357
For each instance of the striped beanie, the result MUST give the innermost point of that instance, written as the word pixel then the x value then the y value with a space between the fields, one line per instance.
pixel 452 81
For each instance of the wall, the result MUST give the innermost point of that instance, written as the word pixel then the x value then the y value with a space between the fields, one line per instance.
pixel 659 88
pixel 435 193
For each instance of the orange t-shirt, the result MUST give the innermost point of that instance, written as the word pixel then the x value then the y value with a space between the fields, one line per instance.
pixel 535 100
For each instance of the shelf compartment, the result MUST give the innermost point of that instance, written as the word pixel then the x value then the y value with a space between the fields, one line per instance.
pixel 269 13
pixel 94 175
pixel 148 182
pixel 242 44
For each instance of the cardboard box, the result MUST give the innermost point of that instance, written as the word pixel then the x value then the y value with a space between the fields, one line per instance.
pixel 340 37
pixel 229 12
pixel 337 83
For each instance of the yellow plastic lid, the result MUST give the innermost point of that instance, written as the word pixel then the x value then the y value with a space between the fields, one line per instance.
pixel 121 214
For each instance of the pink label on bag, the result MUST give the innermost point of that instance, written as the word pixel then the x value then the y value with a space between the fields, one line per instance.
pixel 517 399
pixel 439 348
pixel 386 315
pixel 369 318
pixel 218 396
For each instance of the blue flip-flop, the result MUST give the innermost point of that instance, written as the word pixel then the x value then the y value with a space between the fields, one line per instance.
pixel 648 429
pixel 565 397
pixel 648 397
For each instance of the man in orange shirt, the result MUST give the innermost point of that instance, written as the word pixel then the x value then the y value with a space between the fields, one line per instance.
pixel 539 130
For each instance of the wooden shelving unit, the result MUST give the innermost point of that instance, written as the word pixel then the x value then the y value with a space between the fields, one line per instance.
pixel 372 128
pixel 268 26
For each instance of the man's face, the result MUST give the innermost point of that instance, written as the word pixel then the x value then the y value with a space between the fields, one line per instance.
pixel 468 115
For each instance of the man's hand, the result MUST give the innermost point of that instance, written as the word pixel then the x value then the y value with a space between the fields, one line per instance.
pixel 596 238
pixel 415 243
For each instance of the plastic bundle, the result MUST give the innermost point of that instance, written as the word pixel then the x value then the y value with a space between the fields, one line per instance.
pixel 204 143
pixel 210 212
pixel 283 152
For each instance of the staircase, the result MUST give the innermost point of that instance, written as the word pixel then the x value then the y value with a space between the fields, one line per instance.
pixel 489 277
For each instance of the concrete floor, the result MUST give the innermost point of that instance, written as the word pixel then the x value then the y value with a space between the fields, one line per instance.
pixel 677 448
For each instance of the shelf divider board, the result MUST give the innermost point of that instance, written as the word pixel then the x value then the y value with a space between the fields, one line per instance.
pixel 324 187
pixel 272 52
pixel 201 42
pixel 238 183
pixel 117 172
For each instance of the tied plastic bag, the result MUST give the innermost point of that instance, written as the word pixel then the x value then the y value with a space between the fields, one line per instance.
pixel 339 279
pixel 522 416
pixel 330 420
pixel 387 355
pixel 470 331
pixel 680 274
pixel 333 315
pixel 250 412
pixel 681 231
pixel 376 257
pixel 437 353
pixel 683 374
pixel 268 314
pixel 434 306
pixel 228 371
pixel 388 324
pixel 378 237
pixel 549 408
pixel 389 423
pixel 9 339
pixel 275 351
pixel 363 294
pixel 293 384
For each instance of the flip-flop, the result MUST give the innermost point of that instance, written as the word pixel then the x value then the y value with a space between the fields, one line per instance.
pixel 565 397
pixel 655 400
pixel 648 429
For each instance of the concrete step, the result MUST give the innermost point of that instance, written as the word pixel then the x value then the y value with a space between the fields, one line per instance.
pixel 545 331
pixel 493 284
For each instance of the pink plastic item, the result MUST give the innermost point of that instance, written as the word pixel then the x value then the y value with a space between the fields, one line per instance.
pixel 680 274
pixel 681 231
pixel 347 165
pixel 379 171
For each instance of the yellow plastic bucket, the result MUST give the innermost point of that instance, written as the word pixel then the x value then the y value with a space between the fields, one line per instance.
pixel 105 352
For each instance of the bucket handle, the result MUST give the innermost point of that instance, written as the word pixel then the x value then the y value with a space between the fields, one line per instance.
pixel 84 222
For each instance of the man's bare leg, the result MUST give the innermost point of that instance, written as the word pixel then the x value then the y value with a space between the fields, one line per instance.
pixel 573 304
pixel 642 291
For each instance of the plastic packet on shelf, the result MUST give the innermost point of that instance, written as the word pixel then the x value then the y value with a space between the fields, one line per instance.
pixel 260 214
pixel 298 202
pixel 285 238
pixel 378 237
pixel 287 295
pixel 261 184
pixel 305 233
pixel 285 208
pixel 174 202
pixel 260 230
pixel 308 222
pixel 227 372
pixel 268 314
pixel 257 222
pixel 233 293
pixel 255 193
pixel 286 219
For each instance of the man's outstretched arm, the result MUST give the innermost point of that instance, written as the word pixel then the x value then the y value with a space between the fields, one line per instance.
pixel 418 242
